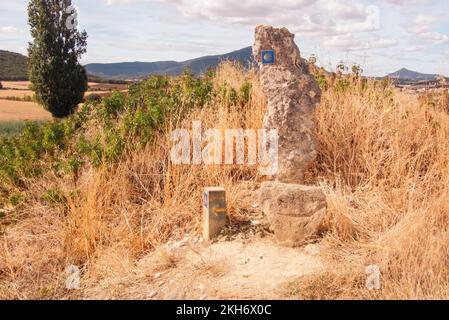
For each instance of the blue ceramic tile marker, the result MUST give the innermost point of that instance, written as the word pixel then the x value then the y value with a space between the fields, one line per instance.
pixel 268 57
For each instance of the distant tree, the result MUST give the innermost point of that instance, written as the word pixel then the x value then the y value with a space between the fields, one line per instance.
pixel 92 98
pixel 312 59
pixel 57 77
pixel 357 70
pixel 341 68
pixel 440 78
pixel 1 85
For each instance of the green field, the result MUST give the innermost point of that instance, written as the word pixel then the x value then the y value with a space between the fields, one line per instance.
pixel 11 128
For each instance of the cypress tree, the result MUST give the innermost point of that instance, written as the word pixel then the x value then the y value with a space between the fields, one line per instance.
pixel 57 78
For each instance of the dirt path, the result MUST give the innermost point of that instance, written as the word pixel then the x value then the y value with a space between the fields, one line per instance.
pixel 235 270
pixel 242 268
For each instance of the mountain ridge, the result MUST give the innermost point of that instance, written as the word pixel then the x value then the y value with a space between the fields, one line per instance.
pixel 406 74
pixel 138 69
pixel 13 66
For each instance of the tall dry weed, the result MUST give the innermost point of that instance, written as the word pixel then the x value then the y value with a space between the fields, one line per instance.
pixel 385 159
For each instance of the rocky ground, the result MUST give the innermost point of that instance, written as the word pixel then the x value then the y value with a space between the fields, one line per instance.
pixel 247 264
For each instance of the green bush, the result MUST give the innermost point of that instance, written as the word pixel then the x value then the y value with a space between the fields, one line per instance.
pixel 113 105
pixel 53 196
pixel 101 132
pixel 93 98
pixel 245 92
pixel 9 129
pixel 16 198
pixel 114 146
pixel 53 137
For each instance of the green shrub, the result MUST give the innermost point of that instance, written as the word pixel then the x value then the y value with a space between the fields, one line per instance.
pixel 73 165
pixel 16 198
pixel 114 146
pixel 24 98
pixel 53 136
pixel 9 129
pixel 96 155
pixel 245 92
pixel 99 132
pixel 93 98
pixel 113 105
pixel 53 196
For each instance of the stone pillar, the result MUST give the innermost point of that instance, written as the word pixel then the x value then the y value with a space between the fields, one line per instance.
pixel 294 211
pixel 293 96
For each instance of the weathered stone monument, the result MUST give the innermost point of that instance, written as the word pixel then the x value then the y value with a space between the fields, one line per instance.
pixel 295 211
pixel 293 96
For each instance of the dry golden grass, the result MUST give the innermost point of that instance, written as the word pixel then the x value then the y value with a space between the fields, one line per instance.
pixel 383 163
pixel 19 85
pixel 8 93
pixel 384 158
pixel 21 110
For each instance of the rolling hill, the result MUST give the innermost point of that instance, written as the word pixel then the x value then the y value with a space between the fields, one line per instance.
pixel 13 66
pixel 134 70
pixel 406 74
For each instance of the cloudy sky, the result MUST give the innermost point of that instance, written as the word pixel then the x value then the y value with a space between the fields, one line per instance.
pixel 380 35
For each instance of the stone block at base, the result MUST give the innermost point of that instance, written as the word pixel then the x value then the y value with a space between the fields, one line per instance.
pixel 295 212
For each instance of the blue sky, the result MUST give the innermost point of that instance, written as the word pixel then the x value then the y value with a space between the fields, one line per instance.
pixel 382 36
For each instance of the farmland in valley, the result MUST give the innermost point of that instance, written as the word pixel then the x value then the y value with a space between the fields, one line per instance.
pixel 16 100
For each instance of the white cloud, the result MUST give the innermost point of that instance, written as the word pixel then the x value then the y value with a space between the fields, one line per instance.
pixel 371 22
pixel 434 37
pixel 8 30
pixel 425 20
pixel 422 29
pixel 337 24
pixel 349 43
pixel 407 2
pixel 306 17
pixel 414 49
